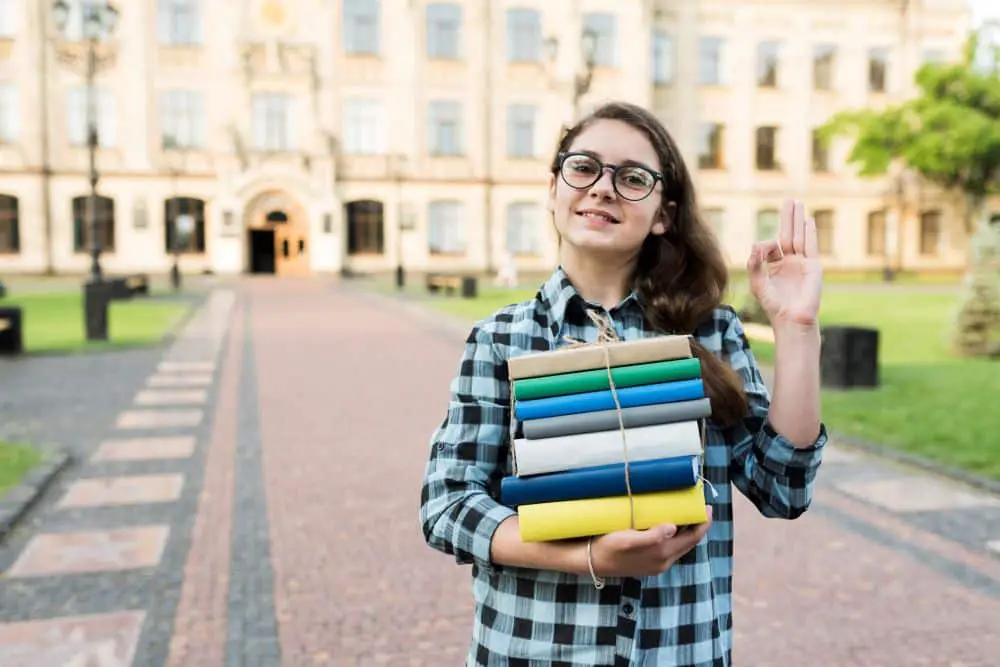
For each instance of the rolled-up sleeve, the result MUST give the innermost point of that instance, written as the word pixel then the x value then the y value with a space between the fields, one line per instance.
pixel 457 513
pixel 770 471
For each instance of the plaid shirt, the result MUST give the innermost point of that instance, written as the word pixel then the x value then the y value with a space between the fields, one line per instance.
pixel 532 618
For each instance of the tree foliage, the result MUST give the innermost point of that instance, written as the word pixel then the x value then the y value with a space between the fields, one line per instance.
pixel 949 133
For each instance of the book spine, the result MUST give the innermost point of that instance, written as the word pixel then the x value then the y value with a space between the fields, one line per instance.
pixel 537 457
pixel 607 420
pixel 598 516
pixel 591 357
pixel 602 481
pixel 596 380
pixel 664 392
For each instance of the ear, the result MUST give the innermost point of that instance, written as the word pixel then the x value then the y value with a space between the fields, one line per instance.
pixel 664 218
pixel 550 204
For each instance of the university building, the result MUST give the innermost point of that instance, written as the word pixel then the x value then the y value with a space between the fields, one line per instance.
pixel 310 136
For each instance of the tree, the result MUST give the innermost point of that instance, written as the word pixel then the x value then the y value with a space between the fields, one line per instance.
pixel 948 134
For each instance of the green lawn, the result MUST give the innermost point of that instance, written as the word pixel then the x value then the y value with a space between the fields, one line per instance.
pixel 53 321
pixel 15 460
pixel 930 403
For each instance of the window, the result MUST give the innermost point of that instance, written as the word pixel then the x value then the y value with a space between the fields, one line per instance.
pixel 182 119
pixel 179 22
pixel 446 231
pixel 715 219
pixel 663 58
pixel 8 18
pixel 824 57
pixel 445 128
pixel 876 233
pixel 935 56
pixel 520 131
pixel 710 61
pixel 360 27
pixel 76 115
pixel 77 28
pixel 878 70
pixel 444 23
pixel 104 209
pixel 10 226
pixel 524 35
pixel 820 154
pixel 10 113
pixel 187 215
pixel 523 226
pixel 365 225
pixel 824 231
pixel 364 127
pixel 930 233
pixel 710 146
pixel 604 28
pixel 767 148
pixel 767 64
pixel 767 225
pixel 272 122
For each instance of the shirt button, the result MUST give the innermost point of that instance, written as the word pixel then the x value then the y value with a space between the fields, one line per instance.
pixel 628 609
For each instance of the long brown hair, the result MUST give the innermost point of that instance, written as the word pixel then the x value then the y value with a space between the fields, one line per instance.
pixel 681 275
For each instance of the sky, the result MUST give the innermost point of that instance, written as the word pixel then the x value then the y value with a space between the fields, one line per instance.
pixel 983 9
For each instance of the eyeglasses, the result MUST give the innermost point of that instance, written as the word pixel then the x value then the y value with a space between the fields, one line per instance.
pixel 632 182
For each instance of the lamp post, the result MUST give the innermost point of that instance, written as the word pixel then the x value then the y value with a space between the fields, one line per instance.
pixel 97 23
pixel 398 170
pixel 181 225
pixel 582 78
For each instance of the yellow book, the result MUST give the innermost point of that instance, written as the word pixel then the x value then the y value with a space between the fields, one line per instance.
pixel 541 522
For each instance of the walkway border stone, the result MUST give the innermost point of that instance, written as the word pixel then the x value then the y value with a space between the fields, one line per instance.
pixel 19 499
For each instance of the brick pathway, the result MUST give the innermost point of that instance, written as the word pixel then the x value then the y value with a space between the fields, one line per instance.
pixel 255 503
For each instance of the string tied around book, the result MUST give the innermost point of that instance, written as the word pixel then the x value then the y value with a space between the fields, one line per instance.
pixel 606 334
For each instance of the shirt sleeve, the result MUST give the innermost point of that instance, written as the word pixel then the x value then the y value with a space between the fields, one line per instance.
pixel 770 471
pixel 468 451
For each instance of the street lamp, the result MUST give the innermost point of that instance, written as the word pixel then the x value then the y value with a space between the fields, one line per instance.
pixel 97 22
pixel 398 171
pixel 583 78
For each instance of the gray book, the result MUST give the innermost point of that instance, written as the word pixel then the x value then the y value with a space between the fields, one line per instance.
pixel 607 420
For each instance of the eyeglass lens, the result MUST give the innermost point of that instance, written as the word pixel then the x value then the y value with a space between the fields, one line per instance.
pixel 630 182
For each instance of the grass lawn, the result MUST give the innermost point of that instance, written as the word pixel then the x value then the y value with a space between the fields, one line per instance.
pixel 53 321
pixel 15 460
pixel 930 403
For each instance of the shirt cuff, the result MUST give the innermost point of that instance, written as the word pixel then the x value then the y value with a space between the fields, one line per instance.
pixel 489 517
pixel 778 455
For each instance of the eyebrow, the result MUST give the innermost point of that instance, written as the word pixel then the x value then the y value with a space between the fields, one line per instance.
pixel 624 163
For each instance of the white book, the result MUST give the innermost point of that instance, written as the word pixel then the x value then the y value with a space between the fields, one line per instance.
pixel 569 452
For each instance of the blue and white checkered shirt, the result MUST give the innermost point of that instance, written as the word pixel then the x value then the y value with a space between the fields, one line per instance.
pixel 531 618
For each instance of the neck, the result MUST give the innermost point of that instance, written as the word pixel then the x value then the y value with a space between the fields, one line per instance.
pixel 603 280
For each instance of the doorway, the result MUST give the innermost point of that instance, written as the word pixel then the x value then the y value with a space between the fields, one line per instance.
pixel 262 255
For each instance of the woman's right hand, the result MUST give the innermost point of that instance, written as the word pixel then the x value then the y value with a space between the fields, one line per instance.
pixel 641 553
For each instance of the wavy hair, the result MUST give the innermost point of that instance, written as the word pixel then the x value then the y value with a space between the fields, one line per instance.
pixel 680 275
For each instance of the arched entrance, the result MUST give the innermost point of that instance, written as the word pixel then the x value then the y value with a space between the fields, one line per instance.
pixel 277 235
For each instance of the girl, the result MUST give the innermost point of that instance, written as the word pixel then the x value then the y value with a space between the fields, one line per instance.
pixel 634 249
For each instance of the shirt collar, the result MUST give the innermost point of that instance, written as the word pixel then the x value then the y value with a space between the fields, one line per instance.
pixel 558 294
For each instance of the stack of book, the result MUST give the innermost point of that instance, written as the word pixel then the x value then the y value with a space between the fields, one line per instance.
pixel 570 460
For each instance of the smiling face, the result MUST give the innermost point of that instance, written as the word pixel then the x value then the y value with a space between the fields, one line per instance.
pixel 596 219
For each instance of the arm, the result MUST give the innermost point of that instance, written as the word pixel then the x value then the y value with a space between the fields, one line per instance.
pixel 458 515
pixel 773 472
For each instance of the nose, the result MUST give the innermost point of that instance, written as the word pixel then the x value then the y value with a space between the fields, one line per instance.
pixel 604 186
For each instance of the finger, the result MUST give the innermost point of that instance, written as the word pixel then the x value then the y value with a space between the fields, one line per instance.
pixel 812 238
pixel 786 229
pixel 799 228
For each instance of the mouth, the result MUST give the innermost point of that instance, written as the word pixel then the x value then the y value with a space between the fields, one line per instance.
pixel 596 215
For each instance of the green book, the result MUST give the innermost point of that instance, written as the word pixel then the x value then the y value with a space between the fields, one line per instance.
pixel 597 380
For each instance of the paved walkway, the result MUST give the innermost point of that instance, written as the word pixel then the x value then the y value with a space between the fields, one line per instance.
pixel 253 501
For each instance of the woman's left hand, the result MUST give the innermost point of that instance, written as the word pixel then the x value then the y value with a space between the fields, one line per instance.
pixel 786 275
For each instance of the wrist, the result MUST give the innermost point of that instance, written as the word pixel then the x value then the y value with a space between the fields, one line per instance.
pixel 795 331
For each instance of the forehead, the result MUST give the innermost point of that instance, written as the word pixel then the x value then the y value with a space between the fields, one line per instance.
pixel 616 141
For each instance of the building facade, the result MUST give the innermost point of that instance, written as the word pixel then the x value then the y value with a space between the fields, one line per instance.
pixel 311 136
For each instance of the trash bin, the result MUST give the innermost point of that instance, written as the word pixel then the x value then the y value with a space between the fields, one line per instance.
pixel 849 357
pixel 469 287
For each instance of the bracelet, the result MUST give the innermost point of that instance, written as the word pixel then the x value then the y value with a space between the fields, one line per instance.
pixel 598 582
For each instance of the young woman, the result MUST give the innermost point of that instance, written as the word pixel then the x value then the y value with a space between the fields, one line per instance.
pixel 634 248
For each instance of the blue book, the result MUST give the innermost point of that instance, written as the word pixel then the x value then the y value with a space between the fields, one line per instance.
pixel 592 401
pixel 605 481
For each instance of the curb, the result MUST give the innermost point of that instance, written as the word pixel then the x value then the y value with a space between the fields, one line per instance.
pixel 18 500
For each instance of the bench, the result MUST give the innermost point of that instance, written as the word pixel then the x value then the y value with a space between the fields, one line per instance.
pixel 129 286
pixel 451 284
pixel 11 336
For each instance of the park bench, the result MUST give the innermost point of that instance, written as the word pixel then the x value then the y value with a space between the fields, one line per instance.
pixel 451 284
pixel 11 336
pixel 138 283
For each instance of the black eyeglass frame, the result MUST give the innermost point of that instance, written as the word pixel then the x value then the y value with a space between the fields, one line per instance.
pixel 657 176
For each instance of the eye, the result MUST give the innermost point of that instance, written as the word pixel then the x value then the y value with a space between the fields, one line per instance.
pixel 636 177
pixel 582 165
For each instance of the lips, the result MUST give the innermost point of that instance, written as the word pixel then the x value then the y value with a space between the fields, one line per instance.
pixel 600 215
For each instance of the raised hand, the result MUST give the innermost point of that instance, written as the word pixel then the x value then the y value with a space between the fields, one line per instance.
pixel 786 276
